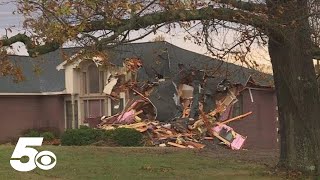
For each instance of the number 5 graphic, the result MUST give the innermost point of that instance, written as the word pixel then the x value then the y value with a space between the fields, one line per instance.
pixel 22 150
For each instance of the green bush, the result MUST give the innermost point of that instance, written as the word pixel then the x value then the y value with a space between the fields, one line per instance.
pixel 83 136
pixel 127 137
pixel 84 127
pixel 87 136
pixel 32 133
pixel 47 136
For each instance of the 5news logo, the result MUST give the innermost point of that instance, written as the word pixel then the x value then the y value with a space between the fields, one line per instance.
pixel 44 160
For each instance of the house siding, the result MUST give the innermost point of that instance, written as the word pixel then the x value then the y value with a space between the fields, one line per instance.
pixel 261 126
pixel 20 113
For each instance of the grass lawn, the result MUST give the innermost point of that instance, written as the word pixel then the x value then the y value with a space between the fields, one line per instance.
pixel 92 162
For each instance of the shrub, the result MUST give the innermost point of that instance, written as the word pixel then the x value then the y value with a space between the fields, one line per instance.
pixel 87 136
pixel 32 133
pixel 84 127
pixel 82 136
pixel 47 136
pixel 127 137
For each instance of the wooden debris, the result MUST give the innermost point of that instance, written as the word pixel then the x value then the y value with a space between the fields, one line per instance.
pixel 176 145
pixel 208 138
pixel 181 132
pixel 196 145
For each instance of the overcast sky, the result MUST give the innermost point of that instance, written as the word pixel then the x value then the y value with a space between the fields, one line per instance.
pixel 6 16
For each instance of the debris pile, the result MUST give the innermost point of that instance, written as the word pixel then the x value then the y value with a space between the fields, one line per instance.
pixel 176 112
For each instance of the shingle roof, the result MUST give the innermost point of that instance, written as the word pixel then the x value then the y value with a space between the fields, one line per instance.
pixel 157 57
pixel 48 80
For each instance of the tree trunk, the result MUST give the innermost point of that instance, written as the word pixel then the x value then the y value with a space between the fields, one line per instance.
pixel 296 87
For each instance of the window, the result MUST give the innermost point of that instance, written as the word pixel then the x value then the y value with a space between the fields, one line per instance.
pixel 93 108
pixel 76 117
pixel 93 73
pixel 237 109
pixel 69 114
pixel 93 80
pixel 117 106
pixel 84 81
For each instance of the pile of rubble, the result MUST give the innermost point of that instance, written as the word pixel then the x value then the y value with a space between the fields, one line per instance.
pixel 191 123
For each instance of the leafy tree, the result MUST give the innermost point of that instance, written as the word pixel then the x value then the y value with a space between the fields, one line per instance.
pixel 288 27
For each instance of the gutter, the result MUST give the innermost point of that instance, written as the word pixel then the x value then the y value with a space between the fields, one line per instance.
pixel 34 94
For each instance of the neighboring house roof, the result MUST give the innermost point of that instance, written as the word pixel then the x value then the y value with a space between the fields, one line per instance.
pixel 158 58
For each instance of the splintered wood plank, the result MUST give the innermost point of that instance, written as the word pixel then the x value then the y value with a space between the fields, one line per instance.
pixel 177 145
pixel 196 145
pixel 208 138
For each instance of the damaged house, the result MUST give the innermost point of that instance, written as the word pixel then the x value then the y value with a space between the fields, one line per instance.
pixel 172 85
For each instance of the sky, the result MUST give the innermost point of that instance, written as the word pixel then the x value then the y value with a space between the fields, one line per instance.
pixel 6 16
pixel 176 36
pixel 14 22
